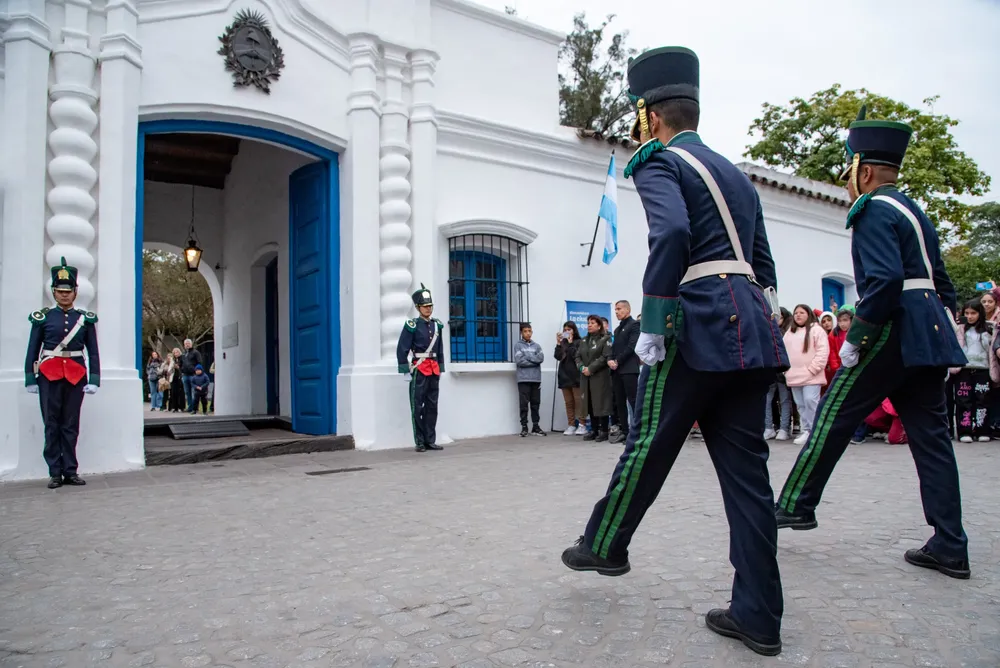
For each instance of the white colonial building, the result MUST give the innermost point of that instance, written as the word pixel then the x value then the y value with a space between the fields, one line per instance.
pixel 405 142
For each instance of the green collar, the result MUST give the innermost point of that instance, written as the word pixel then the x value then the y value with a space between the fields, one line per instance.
pixel 685 137
pixel 860 203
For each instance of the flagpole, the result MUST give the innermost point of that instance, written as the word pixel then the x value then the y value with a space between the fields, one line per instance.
pixel 593 240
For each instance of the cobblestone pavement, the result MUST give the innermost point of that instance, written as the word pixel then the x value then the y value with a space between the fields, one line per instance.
pixel 452 559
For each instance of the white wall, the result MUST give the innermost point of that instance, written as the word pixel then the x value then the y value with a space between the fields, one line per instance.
pixel 513 80
pixel 255 224
pixel 181 69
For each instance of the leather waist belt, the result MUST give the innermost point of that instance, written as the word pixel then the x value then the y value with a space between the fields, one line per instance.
pixel 64 354
pixel 705 269
pixel 919 284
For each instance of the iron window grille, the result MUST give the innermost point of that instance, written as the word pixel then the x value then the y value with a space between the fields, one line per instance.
pixel 487 296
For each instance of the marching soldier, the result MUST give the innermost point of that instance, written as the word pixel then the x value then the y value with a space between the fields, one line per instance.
pixel 54 370
pixel 422 338
pixel 900 345
pixel 710 341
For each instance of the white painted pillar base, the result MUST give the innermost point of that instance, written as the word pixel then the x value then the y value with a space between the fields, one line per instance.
pixel 380 407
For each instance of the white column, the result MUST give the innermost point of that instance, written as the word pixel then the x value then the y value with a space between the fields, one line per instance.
pixel 22 236
pixel 121 69
pixel 359 172
pixel 394 233
pixel 73 150
pixel 423 149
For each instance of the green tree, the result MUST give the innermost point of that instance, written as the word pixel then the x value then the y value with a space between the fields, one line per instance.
pixel 592 92
pixel 175 302
pixel 807 136
pixel 984 238
pixel 966 269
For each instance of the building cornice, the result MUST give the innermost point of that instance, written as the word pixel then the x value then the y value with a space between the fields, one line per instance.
pixel 796 184
pixel 502 20
pixel 484 226
pixel 564 154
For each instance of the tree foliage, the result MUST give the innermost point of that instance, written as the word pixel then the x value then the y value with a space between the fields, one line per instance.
pixel 984 238
pixel 966 269
pixel 592 92
pixel 807 136
pixel 175 302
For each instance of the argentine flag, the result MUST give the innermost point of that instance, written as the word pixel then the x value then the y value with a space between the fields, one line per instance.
pixel 609 213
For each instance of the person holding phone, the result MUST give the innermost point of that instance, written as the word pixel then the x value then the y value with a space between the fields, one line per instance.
pixel 568 379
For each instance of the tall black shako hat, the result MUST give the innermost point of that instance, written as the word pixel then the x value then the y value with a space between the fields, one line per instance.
pixel 63 276
pixel 666 73
pixel 875 143
pixel 422 297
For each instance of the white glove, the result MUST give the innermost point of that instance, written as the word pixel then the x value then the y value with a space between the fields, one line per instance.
pixel 650 348
pixel 32 389
pixel 849 354
pixel 90 389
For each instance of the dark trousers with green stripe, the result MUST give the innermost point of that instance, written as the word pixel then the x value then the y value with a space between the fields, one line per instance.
pixel 424 407
pixel 729 409
pixel 918 395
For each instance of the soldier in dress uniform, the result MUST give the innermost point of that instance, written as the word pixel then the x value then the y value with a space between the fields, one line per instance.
pixel 54 370
pixel 899 346
pixel 710 341
pixel 422 337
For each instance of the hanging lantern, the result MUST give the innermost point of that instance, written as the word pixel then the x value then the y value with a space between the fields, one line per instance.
pixel 192 252
pixel 192 255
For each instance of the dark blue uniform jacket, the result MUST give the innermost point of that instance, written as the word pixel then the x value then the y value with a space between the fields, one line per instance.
pixel 416 336
pixel 720 322
pixel 49 327
pixel 886 252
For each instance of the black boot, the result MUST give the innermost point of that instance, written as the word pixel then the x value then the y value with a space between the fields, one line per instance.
pixel 55 482
pixel 591 435
pixel 581 558
pixel 73 480
pixel 954 568
pixel 722 622
pixel 524 431
pixel 537 431
pixel 434 446
pixel 601 437
pixel 420 448
pixel 801 522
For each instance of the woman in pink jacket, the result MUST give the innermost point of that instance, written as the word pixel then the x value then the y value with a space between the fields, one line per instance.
pixel 808 349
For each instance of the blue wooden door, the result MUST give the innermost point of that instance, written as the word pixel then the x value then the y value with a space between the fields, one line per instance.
pixel 313 363
pixel 271 335
pixel 832 290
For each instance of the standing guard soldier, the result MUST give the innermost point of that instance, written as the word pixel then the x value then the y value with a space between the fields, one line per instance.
pixel 710 339
pixel 54 370
pixel 899 346
pixel 422 338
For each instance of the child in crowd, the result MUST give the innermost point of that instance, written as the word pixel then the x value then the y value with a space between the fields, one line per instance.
pixel 528 358
pixel 199 386
pixel 779 387
pixel 973 380
pixel 808 349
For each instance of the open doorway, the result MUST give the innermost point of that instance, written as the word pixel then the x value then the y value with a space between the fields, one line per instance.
pixel 263 209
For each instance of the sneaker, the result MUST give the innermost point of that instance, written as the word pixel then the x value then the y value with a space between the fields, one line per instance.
pixel 769 434
pixel 857 441
pixel 782 435
pixel 985 439
pixel 582 558
pixel 538 431
pixel 966 439
pixel 570 431
pixel 524 432
pixel 802 438
pixel 955 568
pixel 615 429
pixel 581 430
pixel 722 622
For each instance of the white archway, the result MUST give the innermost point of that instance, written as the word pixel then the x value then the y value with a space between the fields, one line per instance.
pixel 213 286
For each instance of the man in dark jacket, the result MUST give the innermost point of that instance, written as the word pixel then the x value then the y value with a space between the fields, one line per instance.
pixel 710 345
pixel 624 367
pixel 189 362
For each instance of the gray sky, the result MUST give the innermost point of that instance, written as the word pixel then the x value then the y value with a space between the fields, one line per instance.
pixel 755 52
